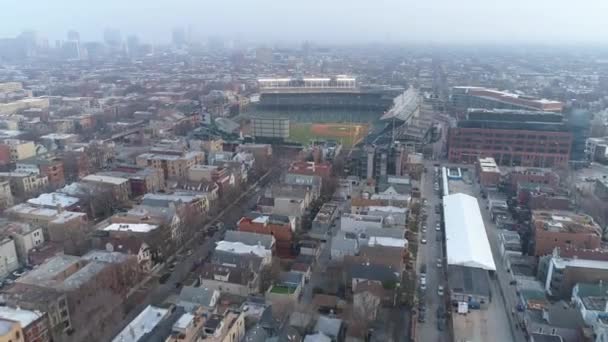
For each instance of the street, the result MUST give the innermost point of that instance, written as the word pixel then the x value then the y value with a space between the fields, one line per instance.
pixel 151 292
pixel 427 255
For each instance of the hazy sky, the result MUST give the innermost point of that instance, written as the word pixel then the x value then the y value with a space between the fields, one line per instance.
pixel 552 21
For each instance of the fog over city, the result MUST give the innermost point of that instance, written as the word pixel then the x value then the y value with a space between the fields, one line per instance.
pixel 303 170
pixel 549 21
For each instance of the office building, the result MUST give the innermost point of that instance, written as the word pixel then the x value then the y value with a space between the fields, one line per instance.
pixel 511 137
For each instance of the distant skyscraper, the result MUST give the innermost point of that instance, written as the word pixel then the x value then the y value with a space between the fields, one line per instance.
pixel 179 37
pixel 73 35
pixel 133 45
pixel 112 37
pixel 72 48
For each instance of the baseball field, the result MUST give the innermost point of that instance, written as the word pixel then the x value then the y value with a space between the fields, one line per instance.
pixel 347 134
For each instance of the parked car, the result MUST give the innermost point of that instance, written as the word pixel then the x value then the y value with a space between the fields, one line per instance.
pixel 163 278
pixel 440 291
pixel 423 241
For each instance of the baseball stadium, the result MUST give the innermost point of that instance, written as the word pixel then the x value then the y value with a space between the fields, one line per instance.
pixel 327 108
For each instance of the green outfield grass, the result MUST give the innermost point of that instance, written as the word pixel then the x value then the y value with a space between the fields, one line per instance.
pixel 347 134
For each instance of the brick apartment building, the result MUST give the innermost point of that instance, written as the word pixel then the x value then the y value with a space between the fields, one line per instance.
pixel 276 225
pixel 488 171
pixel 311 168
pixel 565 268
pixel 72 290
pixel 563 229
pixel 512 138
pixel 514 177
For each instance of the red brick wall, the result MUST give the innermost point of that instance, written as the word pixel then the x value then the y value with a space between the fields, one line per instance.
pixel 545 241
pixel 54 171
pixel 282 234
pixel 5 154
pixel 509 147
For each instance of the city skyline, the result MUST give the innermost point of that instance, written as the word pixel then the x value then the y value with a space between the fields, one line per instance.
pixel 471 21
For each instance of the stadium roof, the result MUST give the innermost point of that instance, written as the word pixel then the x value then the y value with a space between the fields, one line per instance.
pixel 466 240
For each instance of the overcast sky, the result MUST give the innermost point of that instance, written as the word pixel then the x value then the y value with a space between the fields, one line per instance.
pixel 551 21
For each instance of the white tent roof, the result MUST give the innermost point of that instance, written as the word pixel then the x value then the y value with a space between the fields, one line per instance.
pixel 466 240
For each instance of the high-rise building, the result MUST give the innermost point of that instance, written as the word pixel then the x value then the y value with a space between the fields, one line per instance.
pixel 133 45
pixel 179 37
pixel 73 35
pixel 112 37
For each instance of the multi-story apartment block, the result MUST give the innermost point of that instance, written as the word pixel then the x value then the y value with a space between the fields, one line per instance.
pixel 563 229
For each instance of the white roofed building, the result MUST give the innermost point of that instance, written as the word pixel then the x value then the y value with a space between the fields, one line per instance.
pixel 466 240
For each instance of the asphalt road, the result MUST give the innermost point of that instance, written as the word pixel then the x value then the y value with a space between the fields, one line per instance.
pixel 428 254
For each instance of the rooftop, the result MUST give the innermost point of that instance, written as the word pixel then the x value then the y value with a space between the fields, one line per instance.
pixel 53 200
pixel 488 165
pixel 24 317
pixel 465 234
pixel 105 179
pixel 144 323
pixel 565 221
pixel 241 248
pixel 131 227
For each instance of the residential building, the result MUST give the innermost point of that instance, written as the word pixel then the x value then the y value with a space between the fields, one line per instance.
pixel 198 201
pixel 10 331
pixel 33 324
pixel 592 300
pixel 70 289
pixel 563 269
pixel 251 239
pixel 9 260
pixel 324 221
pixel 210 173
pixel 20 149
pixel 227 328
pixel 173 165
pixel 117 188
pixel 563 229
pixel 6 195
pixel 356 223
pixel 187 328
pixel 46 217
pixel 513 177
pixel 26 237
pixel 512 138
pixel 488 172
pixel 278 226
pixel 261 152
pixel 142 180
pixel 344 244
pixel 49 166
pixel 55 200
pixel 24 184
pixel 232 280
pixel 596 149
pixel 197 299
pixel 138 329
pixel 322 170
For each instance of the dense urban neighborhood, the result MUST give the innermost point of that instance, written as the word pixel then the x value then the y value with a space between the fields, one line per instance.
pixel 229 192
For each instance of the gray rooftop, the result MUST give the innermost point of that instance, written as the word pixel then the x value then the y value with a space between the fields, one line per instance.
pixel 251 239
pixel 468 280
